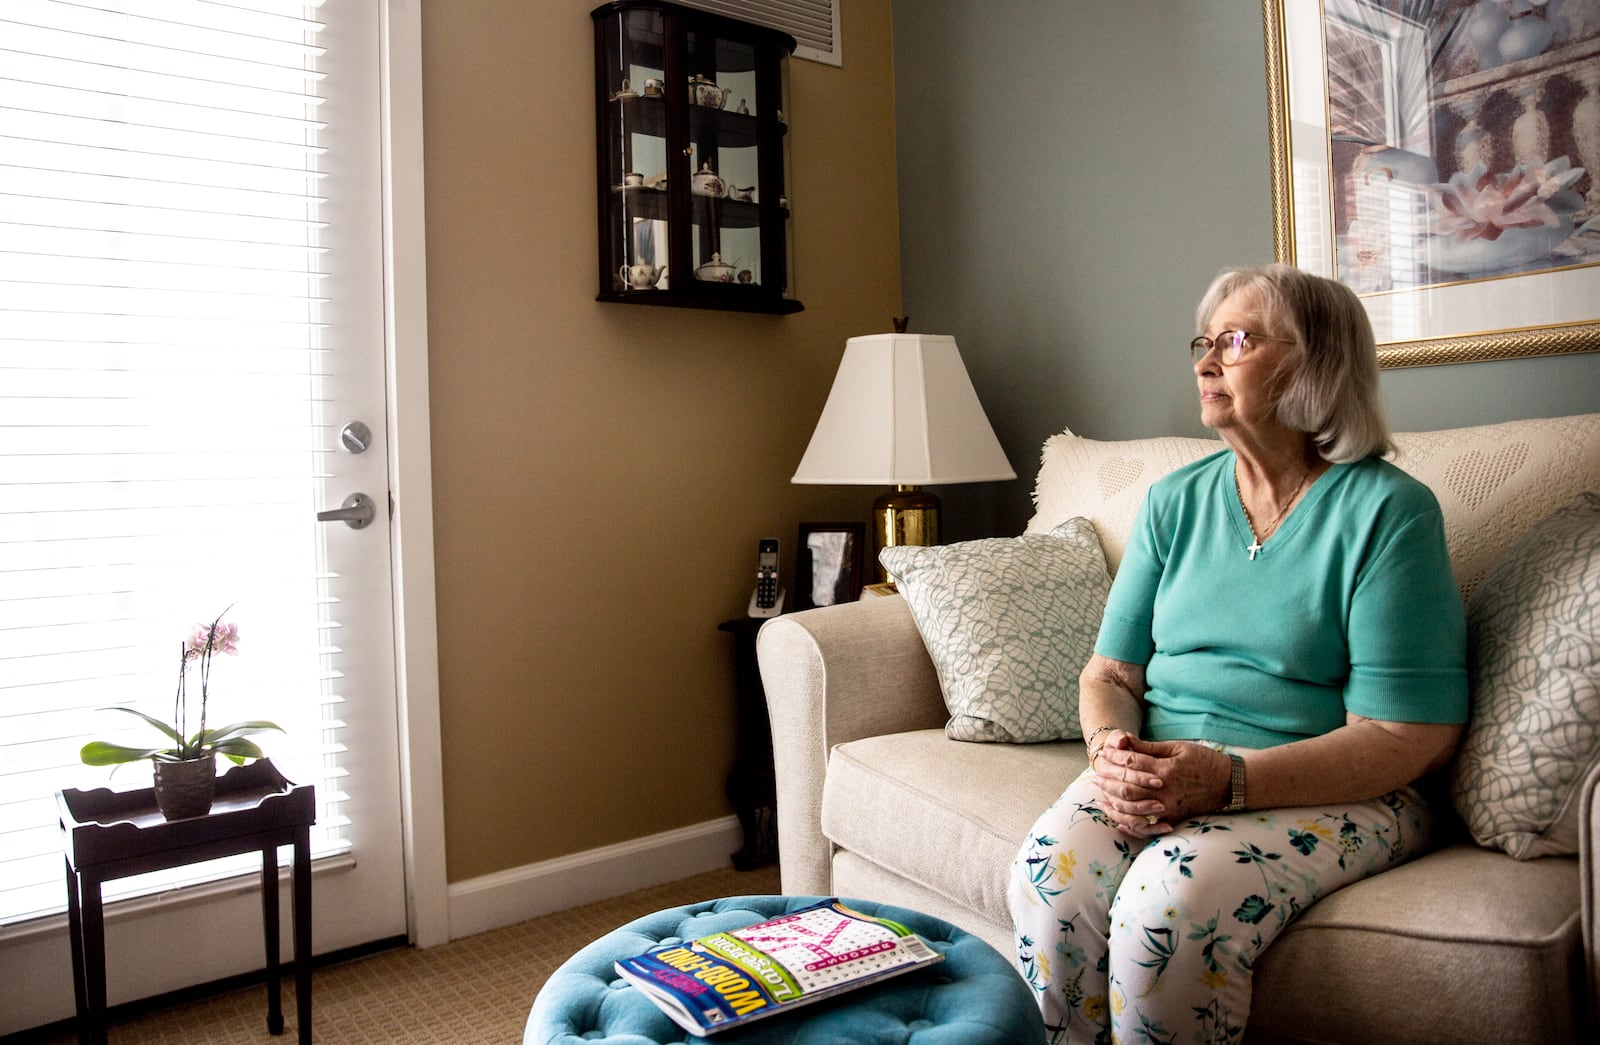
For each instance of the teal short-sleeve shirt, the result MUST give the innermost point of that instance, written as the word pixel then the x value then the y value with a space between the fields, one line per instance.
pixel 1350 606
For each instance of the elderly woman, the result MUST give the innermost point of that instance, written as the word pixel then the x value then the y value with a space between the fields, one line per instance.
pixel 1282 657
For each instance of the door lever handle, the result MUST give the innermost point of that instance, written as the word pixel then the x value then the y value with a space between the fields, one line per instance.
pixel 356 512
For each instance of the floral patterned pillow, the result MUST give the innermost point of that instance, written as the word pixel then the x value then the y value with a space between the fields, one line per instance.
pixel 1533 661
pixel 1009 623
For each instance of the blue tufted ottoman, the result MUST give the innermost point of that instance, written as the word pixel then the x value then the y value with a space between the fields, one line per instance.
pixel 973 997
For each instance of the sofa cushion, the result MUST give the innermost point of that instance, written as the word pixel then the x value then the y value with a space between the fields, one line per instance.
pixel 1533 628
pixel 1463 944
pixel 948 816
pixel 1009 623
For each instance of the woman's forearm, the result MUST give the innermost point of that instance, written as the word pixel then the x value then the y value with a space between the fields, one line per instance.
pixel 1360 760
pixel 1110 698
pixel 1105 704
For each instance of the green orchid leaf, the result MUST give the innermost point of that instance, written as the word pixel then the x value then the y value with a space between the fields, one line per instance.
pixel 100 753
pixel 166 730
pixel 239 729
pixel 238 749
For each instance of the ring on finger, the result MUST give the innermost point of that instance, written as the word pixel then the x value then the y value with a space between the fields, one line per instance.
pixel 1151 819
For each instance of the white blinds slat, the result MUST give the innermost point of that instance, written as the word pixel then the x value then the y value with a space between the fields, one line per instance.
pixel 143 275
pixel 131 163
pixel 147 147
pixel 84 188
pixel 161 248
pixel 44 107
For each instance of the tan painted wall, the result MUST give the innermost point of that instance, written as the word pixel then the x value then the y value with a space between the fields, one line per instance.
pixel 602 471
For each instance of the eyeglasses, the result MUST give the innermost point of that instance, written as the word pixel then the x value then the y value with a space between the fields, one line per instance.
pixel 1230 345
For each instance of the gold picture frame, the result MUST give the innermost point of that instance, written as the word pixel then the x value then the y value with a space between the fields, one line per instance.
pixel 1434 296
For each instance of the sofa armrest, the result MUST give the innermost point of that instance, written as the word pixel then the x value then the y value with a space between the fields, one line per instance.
pixel 832 675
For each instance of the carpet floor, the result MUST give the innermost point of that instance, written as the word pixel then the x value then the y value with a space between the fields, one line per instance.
pixel 477 989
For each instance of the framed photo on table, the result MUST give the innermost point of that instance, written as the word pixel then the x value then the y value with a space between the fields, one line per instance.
pixel 1440 160
pixel 828 564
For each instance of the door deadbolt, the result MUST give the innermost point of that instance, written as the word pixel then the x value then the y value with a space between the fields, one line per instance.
pixel 355 437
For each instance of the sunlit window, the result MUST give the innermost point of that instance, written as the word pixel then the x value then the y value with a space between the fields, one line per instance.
pixel 162 353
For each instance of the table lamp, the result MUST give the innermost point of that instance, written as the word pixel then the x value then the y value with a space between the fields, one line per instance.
pixel 902 412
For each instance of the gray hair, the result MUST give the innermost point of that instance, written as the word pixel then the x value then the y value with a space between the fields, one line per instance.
pixel 1330 388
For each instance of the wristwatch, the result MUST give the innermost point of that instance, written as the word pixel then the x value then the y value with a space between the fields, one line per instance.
pixel 1235 785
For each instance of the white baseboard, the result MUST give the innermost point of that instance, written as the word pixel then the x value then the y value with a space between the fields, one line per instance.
pixel 507 897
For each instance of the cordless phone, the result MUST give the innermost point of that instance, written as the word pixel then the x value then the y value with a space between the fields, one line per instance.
pixel 767 599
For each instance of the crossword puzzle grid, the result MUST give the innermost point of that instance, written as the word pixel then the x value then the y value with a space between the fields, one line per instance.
pixel 821 948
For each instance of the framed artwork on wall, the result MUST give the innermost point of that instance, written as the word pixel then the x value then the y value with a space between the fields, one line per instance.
pixel 828 564
pixel 1440 159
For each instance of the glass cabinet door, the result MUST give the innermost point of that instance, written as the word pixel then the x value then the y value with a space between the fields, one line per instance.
pixel 693 208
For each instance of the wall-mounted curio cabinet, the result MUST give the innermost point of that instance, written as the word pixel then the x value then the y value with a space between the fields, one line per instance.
pixel 694 208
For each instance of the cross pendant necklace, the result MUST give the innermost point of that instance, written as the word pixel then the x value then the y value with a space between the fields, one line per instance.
pixel 1267 531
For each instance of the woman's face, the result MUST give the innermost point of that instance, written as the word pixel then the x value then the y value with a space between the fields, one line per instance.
pixel 1244 393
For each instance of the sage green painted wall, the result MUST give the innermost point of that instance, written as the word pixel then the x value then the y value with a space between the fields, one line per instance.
pixel 1071 176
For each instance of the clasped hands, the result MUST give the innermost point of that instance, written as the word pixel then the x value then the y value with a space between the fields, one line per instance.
pixel 1147 786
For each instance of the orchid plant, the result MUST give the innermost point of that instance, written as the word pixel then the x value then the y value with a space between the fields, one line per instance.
pixel 230 741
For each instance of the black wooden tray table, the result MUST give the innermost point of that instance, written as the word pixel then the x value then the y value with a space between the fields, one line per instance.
pixel 113 834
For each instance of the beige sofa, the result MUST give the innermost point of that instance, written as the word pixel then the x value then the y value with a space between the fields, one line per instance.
pixel 1464 944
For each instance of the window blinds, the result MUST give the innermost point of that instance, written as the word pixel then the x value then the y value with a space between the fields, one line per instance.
pixel 162 371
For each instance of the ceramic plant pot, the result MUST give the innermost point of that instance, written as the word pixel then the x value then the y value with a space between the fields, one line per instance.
pixel 184 789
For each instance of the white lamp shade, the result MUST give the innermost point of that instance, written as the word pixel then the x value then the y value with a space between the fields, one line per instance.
pixel 902 411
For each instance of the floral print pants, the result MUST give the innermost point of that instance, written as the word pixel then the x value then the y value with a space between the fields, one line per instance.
pixel 1133 940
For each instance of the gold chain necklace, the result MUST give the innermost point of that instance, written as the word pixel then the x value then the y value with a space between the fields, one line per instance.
pixel 1271 527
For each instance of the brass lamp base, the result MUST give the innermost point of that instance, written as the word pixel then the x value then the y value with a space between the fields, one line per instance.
pixel 907 516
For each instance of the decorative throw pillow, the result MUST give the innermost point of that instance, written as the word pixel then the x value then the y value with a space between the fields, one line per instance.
pixel 1009 623
pixel 1533 661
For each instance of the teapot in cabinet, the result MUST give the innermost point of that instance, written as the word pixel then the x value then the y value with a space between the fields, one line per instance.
pixel 715 271
pixel 703 91
pixel 706 183
pixel 641 276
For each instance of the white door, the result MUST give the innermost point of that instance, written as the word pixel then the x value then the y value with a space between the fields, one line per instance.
pixel 313 598
pixel 364 902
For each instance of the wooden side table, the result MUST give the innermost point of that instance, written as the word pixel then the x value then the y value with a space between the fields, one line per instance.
pixel 751 785
pixel 112 834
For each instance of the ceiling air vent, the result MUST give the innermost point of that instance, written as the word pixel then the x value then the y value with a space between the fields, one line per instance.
pixel 814 24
